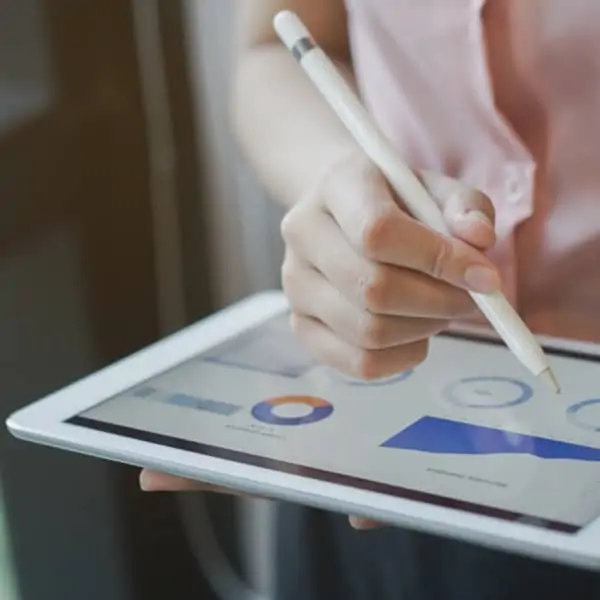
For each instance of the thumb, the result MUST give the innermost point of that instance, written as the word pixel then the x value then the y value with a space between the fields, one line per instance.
pixel 151 481
pixel 361 524
pixel 468 213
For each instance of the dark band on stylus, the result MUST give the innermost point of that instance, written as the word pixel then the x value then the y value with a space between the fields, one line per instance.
pixel 302 47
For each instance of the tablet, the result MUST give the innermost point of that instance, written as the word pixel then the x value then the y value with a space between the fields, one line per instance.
pixel 467 445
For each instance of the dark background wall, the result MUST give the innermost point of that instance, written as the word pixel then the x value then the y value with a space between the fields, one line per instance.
pixel 78 288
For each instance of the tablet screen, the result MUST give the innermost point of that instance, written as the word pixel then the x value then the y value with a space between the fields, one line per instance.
pixel 468 429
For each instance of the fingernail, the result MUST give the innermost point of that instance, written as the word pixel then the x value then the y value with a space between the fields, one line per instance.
pixel 361 524
pixel 482 279
pixel 146 480
pixel 479 217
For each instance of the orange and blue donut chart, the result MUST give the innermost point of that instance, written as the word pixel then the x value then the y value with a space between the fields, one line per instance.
pixel 265 411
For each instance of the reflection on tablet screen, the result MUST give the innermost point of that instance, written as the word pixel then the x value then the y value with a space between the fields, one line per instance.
pixel 467 429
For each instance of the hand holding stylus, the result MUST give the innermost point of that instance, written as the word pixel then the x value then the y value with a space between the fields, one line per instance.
pixel 369 285
pixel 416 198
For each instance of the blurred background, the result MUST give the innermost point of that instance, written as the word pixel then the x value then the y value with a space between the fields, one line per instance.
pixel 125 213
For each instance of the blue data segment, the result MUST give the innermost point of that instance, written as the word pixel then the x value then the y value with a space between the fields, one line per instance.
pixel 444 436
pixel 187 401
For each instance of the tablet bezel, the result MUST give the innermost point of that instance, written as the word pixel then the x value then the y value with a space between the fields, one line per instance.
pixel 44 422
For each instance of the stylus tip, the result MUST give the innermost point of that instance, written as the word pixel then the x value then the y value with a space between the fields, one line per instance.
pixel 549 378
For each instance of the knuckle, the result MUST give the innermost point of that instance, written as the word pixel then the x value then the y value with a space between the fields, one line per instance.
pixel 440 258
pixel 366 365
pixel 376 231
pixel 420 351
pixel 375 289
pixel 372 332
pixel 287 226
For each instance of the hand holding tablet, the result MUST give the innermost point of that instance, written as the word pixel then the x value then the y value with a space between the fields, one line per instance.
pixel 466 445
pixel 154 481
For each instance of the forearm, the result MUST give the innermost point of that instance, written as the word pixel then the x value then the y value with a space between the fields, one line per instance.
pixel 287 131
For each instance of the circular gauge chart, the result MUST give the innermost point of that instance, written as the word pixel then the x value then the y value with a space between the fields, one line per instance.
pixel 292 410
pixel 347 380
pixel 585 414
pixel 487 392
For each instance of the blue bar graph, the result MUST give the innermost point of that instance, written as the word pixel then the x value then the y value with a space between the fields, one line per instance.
pixel 443 436
pixel 187 401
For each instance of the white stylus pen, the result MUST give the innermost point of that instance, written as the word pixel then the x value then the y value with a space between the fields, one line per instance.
pixel 380 150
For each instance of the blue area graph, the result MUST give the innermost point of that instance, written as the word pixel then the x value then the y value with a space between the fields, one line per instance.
pixel 443 436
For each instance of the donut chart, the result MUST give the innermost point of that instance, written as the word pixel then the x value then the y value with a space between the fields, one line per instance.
pixel 584 416
pixel 345 379
pixel 487 392
pixel 265 411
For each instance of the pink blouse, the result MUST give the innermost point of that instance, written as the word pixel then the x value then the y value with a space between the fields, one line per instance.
pixel 505 95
